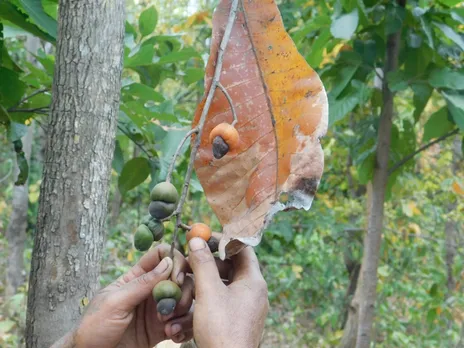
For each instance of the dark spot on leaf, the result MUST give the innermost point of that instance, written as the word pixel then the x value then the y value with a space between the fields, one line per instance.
pixel 307 185
pixel 272 19
pixel 308 94
pixel 270 47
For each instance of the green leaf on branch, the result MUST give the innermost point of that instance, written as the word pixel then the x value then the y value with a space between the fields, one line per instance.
pixel 344 26
pixel 455 103
pixel 450 3
pixel 180 56
pixel 193 75
pixel 36 12
pixel 11 88
pixel 11 13
pixel 144 56
pixel 422 94
pixel 317 48
pixel 451 34
pixel 23 167
pixel 148 20
pixel 397 81
pixel 447 78
pixel 118 158
pixel 134 173
pixel 140 92
pixel 437 125
pixel 344 76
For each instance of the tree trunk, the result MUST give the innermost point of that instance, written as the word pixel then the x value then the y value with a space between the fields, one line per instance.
pixel 451 226
pixel 16 230
pixel 74 192
pixel 373 237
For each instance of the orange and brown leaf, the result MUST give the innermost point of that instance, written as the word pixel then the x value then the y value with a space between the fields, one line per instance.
pixel 282 112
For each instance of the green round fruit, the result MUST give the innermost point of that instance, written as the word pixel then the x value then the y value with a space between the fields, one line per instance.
pixel 146 219
pixel 143 238
pixel 166 306
pixel 165 192
pixel 160 210
pixel 166 289
pixel 156 228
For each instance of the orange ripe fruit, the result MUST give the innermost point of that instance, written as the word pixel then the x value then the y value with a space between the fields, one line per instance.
pixel 199 230
pixel 228 133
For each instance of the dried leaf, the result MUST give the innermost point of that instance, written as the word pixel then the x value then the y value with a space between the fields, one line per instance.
pixel 282 112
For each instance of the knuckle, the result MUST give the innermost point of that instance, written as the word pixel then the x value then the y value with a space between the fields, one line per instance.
pixel 203 256
pixel 144 279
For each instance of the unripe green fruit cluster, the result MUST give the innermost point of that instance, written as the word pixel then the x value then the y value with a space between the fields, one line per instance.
pixel 167 294
pixel 164 198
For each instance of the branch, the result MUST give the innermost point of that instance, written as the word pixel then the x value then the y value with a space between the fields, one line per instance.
pixel 422 148
pixel 229 99
pixel 201 123
pixel 29 97
pixel 176 154
pixel 140 146
pixel 43 110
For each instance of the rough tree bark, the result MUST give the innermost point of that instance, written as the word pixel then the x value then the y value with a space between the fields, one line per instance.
pixel 17 226
pixel 361 314
pixel 74 192
pixel 373 237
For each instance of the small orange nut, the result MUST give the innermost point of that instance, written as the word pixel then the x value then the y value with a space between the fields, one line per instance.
pixel 199 230
pixel 228 133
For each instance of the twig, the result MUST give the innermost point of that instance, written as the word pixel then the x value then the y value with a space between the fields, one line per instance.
pixel 42 110
pixel 176 154
pixel 201 123
pixel 140 146
pixel 185 227
pixel 29 97
pixel 229 99
pixel 422 148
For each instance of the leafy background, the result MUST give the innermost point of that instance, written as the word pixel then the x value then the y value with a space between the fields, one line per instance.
pixel 305 256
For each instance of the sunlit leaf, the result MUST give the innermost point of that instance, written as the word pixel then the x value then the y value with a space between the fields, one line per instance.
pixel 148 20
pixel 344 26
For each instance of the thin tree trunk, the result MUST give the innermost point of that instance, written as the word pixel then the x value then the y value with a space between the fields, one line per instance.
pixel 373 237
pixel 74 192
pixel 451 226
pixel 17 226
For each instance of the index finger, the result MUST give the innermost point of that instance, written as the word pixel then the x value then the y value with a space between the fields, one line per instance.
pixel 151 259
pixel 246 265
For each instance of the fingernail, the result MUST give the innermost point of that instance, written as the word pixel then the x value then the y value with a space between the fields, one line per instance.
pixel 180 337
pixel 197 244
pixel 163 265
pixel 175 329
pixel 180 278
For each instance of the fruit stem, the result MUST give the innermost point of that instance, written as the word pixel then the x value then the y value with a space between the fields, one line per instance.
pixel 204 113
pixel 229 99
pixel 176 154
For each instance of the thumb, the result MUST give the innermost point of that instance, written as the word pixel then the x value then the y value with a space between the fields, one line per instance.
pixel 201 260
pixel 138 289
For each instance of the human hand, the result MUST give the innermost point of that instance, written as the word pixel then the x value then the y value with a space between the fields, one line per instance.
pixel 124 313
pixel 227 316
